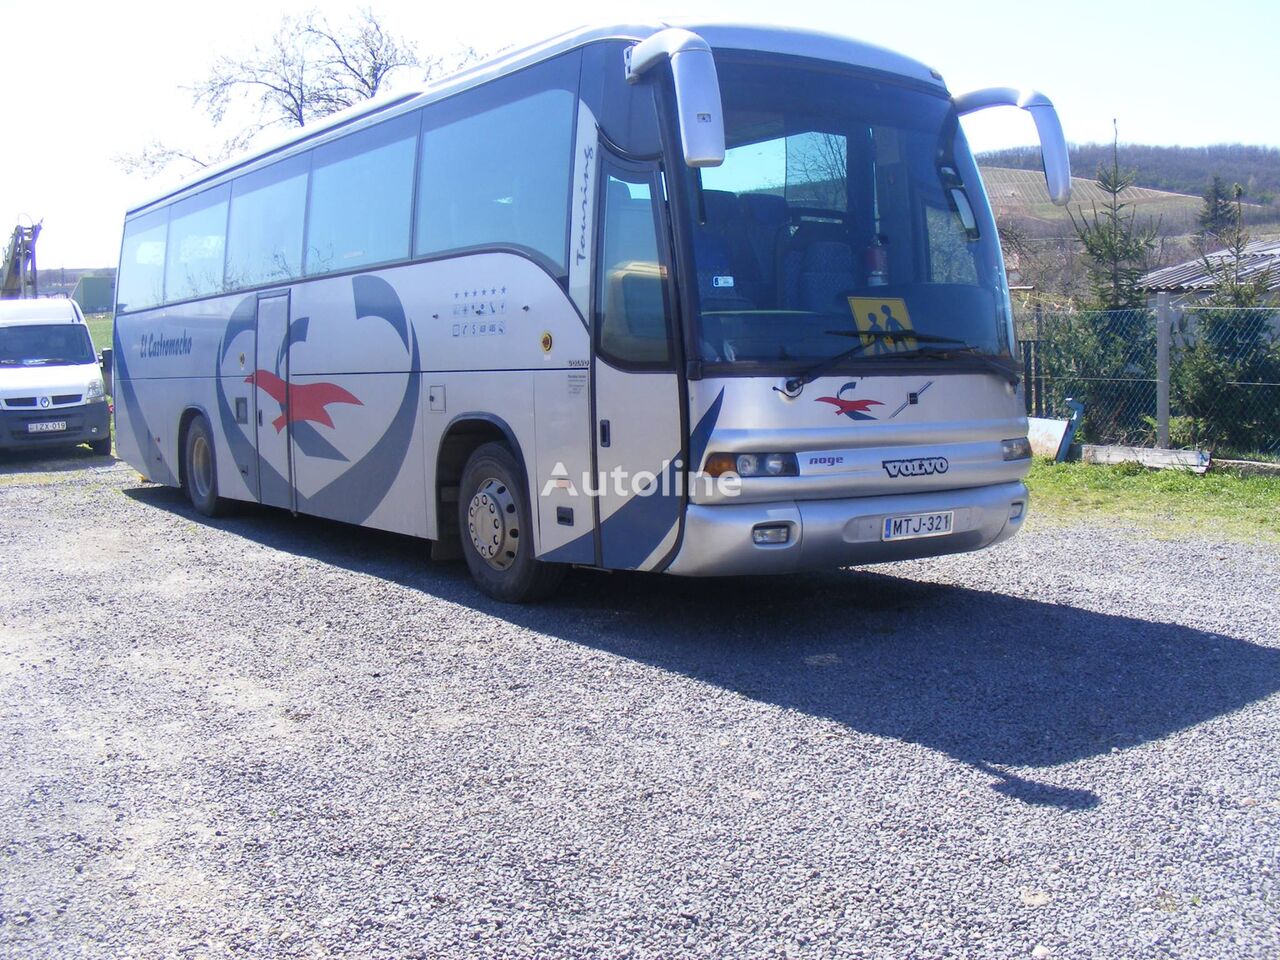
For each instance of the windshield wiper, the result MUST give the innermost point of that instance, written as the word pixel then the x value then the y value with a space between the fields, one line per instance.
pixel 1005 371
pixel 867 339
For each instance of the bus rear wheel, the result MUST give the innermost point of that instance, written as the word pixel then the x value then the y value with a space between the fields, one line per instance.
pixel 494 522
pixel 200 469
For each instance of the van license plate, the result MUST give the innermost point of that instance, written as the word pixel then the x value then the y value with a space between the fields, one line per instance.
pixel 47 426
pixel 916 525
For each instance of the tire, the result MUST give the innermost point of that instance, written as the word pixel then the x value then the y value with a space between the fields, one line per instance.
pixel 101 448
pixel 496 529
pixel 200 469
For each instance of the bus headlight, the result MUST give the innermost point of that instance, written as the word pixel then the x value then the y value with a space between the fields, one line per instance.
pixel 753 464
pixel 94 390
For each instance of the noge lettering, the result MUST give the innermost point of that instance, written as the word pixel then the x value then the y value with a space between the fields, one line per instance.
pixel 825 461
pixel 918 467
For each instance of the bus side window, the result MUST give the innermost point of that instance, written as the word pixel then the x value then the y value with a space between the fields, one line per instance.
pixel 361 198
pixel 264 232
pixel 631 289
pixel 197 238
pixel 495 166
pixel 141 282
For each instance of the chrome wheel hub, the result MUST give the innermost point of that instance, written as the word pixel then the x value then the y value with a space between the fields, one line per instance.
pixel 492 523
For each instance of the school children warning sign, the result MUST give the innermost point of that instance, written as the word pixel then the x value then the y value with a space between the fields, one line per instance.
pixel 881 320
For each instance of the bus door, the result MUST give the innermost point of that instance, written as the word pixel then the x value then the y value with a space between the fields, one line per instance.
pixel 635 390
pixel 271 379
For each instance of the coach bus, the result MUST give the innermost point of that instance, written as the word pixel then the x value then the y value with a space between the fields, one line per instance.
pixel 695 299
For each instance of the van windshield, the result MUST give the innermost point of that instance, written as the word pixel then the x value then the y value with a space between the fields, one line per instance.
pixel 45 344
pixel 848 210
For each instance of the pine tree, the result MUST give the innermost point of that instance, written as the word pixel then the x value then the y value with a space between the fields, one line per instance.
pixel 1216 215
pixel 1115 245
pixel 1230 287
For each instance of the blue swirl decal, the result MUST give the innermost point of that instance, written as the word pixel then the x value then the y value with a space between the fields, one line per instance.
pixel 355 494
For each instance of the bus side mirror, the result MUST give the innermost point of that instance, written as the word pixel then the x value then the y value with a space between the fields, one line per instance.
pixel 697 90
pixel 1053 144
pixel 104 361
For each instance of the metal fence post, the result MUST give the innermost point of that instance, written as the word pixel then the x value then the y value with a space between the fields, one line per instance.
pixel 1164 333
pixel 1037 373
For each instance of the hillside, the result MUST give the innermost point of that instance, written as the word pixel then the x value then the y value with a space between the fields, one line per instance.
pixel 1021 195
pixel 1172 169
pixel 1018 195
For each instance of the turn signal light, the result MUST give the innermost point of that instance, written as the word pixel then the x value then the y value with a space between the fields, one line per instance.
pixel 1018 448
pixel 752 464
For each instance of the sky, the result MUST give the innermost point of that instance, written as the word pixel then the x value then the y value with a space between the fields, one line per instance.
pixel 104 79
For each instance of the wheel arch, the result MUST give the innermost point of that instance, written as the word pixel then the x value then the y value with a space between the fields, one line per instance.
pixel 465 433
pixel 187 417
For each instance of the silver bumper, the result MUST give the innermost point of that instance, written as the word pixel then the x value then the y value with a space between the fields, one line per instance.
pixel 837 533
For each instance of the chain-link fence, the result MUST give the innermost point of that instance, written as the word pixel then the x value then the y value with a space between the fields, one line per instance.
pixel 1222 378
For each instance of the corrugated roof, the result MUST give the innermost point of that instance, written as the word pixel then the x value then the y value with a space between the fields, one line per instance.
pixel 1257 259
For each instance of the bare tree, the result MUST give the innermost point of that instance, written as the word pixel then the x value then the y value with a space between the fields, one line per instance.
pixel 818 169
pixel 157 155
pixel 308 69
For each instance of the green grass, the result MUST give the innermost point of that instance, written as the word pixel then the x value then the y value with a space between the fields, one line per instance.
pixel 1171 503
pixel 99 330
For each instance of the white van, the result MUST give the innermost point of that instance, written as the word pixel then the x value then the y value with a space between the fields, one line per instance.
pixel 51 391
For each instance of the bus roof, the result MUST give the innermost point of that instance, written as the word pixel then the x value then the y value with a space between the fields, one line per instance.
pixel 721 36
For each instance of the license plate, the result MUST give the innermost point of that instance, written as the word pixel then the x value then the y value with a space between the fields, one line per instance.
pixel 916 525
pixel 47 426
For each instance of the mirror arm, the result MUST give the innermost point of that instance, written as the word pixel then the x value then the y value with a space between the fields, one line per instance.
pixel 1053 143
pixel 663 45
pixel 697 88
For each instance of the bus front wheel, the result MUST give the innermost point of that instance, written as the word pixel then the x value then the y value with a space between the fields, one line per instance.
pixel 494 522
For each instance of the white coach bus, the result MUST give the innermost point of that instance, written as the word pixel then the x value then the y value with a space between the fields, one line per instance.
pixel 702 299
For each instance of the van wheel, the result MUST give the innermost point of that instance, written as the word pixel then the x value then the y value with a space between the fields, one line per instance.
pixel 494 524
pixel 101 448
pixel 200 469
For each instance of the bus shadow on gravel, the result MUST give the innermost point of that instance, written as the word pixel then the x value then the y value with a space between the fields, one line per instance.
pixel 993 681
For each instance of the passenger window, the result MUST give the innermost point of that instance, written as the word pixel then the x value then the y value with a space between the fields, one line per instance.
pixel 197 241
pixel 632 306
pixel 499 176
pixel 361 198
pixel 141 281
pixel 264 233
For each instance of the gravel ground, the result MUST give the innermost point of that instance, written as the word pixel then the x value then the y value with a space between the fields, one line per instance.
pixel 275 737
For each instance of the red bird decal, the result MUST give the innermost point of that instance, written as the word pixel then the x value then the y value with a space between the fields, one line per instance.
pixel 300 401
pixel 850 406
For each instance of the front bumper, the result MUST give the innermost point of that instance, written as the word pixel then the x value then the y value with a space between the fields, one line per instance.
pixel 86 422
pixel 826 534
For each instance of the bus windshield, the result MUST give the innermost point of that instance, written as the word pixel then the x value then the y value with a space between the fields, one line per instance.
pixel 848 211
pixel 45 345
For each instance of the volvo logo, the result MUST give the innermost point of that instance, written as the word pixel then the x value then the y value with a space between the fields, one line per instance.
pixel 917 467
pixel 44 401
